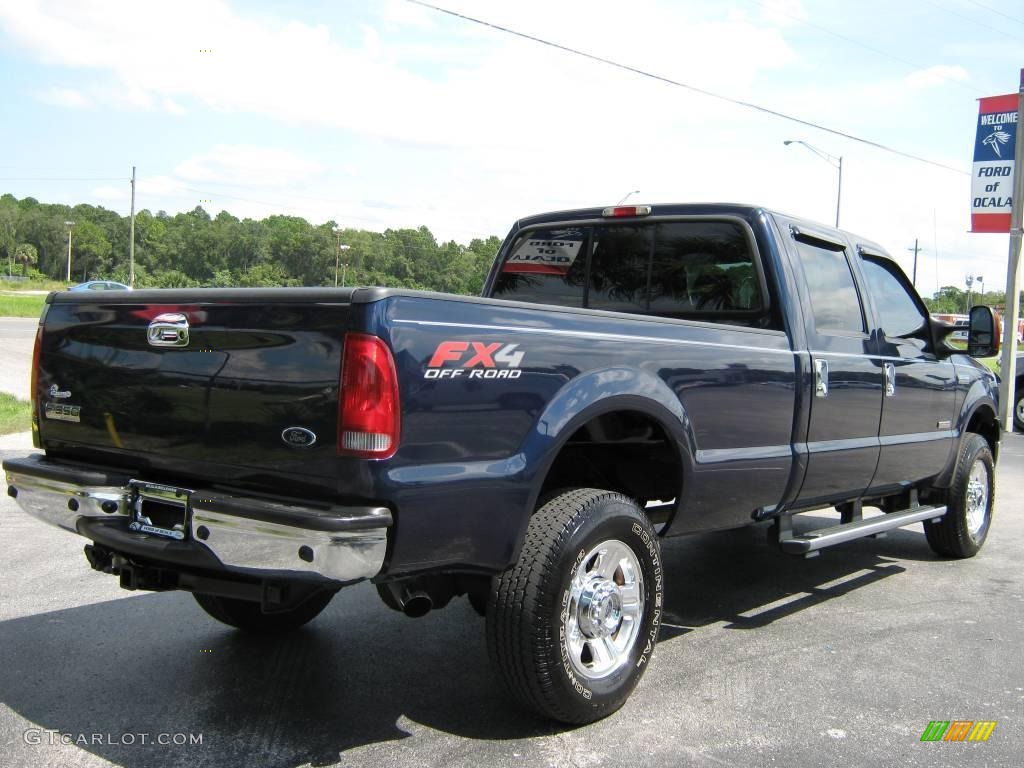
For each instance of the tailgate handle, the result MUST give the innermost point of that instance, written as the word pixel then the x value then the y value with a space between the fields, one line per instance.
pixel 168 330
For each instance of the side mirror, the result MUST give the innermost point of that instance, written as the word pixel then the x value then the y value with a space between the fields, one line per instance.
pixel 983 332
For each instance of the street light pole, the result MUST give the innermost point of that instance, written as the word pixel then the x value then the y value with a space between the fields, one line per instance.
pixel 337 258
pixel 835 162
pixel 628 195
pixel 69 225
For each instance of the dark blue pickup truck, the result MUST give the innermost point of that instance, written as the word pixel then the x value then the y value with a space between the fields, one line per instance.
pixel 629 373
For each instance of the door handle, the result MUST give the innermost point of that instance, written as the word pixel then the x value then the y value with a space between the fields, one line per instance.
pixel 890 379
pixel 821 378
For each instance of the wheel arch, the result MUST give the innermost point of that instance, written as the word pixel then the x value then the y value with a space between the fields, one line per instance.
pixel 589 398
pixel 978 416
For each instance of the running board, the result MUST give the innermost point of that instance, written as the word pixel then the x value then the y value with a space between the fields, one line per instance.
pixel 808 543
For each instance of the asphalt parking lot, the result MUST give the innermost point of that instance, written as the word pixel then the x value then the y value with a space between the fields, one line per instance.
pixel 764 660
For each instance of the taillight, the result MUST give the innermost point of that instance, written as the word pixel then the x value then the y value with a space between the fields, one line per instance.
pixel 626 210
pixel 33 385
pixel 368 412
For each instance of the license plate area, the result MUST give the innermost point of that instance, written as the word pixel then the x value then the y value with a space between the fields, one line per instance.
pixel 161 510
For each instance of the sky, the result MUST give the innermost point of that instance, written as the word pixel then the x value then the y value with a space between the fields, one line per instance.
pixel 383 113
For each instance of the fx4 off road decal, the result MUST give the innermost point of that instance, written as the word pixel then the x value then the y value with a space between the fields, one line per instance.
pixel 475 360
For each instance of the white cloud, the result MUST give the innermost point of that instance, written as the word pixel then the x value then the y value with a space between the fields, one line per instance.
pixel 256 65
pixel 940 74
pixel 62 97
pixel 173 107
pixel 110 192
pixel 248 165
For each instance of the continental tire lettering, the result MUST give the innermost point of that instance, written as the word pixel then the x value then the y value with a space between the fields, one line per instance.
pixel 652 550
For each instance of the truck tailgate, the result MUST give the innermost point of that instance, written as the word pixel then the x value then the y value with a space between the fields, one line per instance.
pixel 225 384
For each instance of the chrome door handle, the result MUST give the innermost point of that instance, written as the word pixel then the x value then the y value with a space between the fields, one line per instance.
pixel 821 378
pixel 890 379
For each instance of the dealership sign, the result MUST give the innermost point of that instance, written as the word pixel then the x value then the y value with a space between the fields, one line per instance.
pixel 992 175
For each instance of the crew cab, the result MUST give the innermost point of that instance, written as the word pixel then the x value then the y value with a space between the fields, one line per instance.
pixel 629 373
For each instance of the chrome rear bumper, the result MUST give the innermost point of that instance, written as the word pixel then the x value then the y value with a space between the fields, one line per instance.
pixel 248 533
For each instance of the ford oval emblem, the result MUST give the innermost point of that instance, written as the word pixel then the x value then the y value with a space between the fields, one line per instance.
pixel 298 437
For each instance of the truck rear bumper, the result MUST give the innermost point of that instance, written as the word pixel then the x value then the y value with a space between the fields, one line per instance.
pixel 223 531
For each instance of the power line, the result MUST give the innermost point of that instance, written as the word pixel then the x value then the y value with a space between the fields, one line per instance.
pixel 998 13
pixel 861 44
pixel 60 178
pixel 973 20
pixel 693 88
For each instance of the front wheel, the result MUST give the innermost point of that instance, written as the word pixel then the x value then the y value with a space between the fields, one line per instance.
pixel 962 531
pixel 1018 406
pixel 572 625
pixel 249 616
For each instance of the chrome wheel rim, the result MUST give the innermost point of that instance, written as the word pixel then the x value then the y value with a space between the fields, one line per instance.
pixel 603 610
pixel 977 499
pixel 1020 411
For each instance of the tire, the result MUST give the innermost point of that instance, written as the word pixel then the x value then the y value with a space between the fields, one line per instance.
pixel 584 547
pixel 1018 406
pixel 970 501
pixel 249 617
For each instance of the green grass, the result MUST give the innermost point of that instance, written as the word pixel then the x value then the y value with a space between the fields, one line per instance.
pixel 21 306
pixel 15 414
pixel 33 285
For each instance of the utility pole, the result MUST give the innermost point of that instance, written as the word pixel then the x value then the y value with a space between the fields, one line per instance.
pixel 1012 313
pixel 69 225
pixel 131 238
pixel 969 279
pixel 915 249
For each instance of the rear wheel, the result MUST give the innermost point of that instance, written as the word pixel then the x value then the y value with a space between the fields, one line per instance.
pixel 249 616
pixel 572 625
pixel 1018 406
pixel 962 531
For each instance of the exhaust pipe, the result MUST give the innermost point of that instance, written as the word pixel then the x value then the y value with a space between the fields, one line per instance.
pixel 416 603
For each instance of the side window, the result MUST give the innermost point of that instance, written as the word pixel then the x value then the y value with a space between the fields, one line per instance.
pixel 834 300
pixel 899 313
pixel 546 267
pixel 619 268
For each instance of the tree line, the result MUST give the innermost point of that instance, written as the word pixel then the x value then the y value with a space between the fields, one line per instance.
pixel 193 249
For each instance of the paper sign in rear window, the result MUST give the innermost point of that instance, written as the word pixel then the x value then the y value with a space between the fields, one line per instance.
pixel 545 256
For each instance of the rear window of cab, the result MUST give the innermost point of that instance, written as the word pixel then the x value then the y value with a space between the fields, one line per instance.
pixel 701 270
